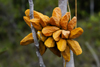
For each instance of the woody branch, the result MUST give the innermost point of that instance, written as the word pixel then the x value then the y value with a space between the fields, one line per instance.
pixel 31 6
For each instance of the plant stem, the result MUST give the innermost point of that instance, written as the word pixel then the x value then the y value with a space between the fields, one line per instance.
pixel 93 53
pixel 76 11
pixel 31 6
pixel 63 6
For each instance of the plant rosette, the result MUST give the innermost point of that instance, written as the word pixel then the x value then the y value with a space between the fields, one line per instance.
pixel 56 33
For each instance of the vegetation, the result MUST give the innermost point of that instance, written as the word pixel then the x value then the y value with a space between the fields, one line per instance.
pixel 13 29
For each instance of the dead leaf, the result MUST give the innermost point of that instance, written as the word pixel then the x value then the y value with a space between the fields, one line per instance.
pixel 55 51
pixel 42 48
pixel 56 35
pixel 27 20
pixel 65 34
pixel 61 44
pixel 75 47
pixel 76 33
pixel 41 36
pixel 36 23
pixel 48 30
pixel 56 16
pixel 27 40
pixel 49 42
pixel 64 21
pixel 66 54
pixel 72 23
pixel 44 20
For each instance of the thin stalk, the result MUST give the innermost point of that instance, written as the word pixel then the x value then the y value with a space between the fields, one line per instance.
pixel 69 9
pixel 76 11
pixel 93 53
pixel 63 6
pixel 31 6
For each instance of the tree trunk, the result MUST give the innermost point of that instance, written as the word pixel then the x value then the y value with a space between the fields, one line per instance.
pixel 63 6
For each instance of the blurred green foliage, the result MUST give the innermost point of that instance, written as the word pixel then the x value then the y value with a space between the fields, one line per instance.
pixel 13 29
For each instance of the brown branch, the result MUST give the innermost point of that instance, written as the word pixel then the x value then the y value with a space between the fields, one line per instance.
pixel 31 5
pixel 63 6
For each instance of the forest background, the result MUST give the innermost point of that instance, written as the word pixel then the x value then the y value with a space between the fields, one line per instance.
pixel 13 28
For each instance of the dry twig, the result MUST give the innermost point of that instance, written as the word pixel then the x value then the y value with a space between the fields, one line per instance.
pixel 31 5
